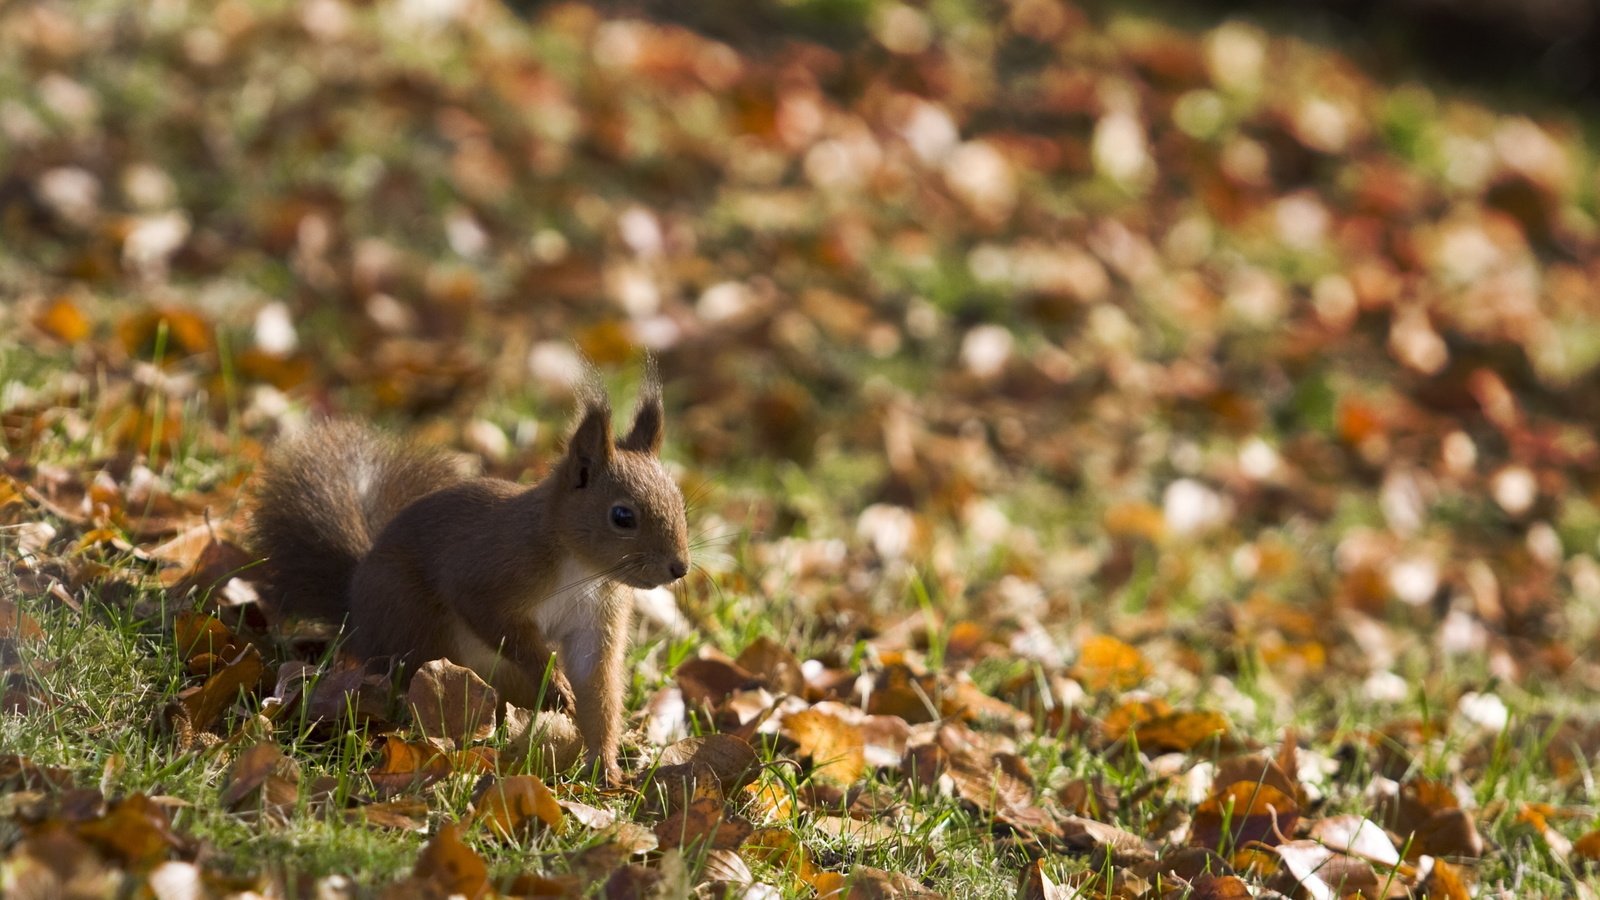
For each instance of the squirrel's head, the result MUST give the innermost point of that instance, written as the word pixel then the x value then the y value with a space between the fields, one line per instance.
pixel 623 512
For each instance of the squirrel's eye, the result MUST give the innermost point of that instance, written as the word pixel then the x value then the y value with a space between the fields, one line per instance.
pixel 623 517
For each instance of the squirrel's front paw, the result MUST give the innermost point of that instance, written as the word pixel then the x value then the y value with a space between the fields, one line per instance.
pixel 605 772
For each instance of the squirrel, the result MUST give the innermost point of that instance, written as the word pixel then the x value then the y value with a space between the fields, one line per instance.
pixel 421 561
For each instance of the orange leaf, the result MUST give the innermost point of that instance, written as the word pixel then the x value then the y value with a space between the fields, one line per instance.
pixel 1180 731
pixel 834 745
pixel 1140 519
pixel 165 331
pixel 16 624
pixel 405 764
pixel 1242 812
pixel 511 805
pixel 205 704
pixel 451 866
pixel 135 830
pixel 1106 663
pixel 64 321
pixel 199 635
pixel 703 820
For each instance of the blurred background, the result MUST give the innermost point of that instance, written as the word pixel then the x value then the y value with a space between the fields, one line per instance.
pixel 1181 320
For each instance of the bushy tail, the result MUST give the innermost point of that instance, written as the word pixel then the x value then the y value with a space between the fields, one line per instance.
pixel 321 498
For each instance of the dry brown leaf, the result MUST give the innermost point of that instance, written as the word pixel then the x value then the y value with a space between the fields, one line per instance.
pixel 731 760
pixel 547 739
pixel 262 779
pixel 964 700
pixel 775 663
pixel 451 701
pixel 726 867
pixel 1218 887
pixel 864 833
pixel 1356 836
pixel 1035 884
pixel 1585 848
pixel 899 691
pixel 1320 873
pixel 409 814
pixel 589 816
pixel 204 642
pixel 1082 835
pixel 781 849
pixel 1444 882
pixel 202 706
pixel 451 867
pixel 1135 519
pixel 1182 732
pixel 353 690
pixel 166 331
pixel 868 883
pixel 835 746
pixel 403 765
pixel 218 561
pixel 703 820
pixel 63 320
pixel 15 624
pixel 18 773
pixel 1107 664
pixel 510 806
pixel 1258 769
pixel 1244 811
pixel 135 831
pixel 709 680
pixel 1449 832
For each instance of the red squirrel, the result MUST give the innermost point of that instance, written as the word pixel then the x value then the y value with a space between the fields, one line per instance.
pixel 422 562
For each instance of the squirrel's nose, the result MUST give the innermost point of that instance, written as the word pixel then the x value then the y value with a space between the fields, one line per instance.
pixel 678 569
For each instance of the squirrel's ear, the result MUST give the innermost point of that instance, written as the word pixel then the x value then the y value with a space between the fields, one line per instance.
pixel 645 435
pixel 590 446
pixel 648 418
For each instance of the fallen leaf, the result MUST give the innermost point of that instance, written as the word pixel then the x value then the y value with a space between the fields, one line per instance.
pixel 726 867
pixel 451 867
pixel 731 760
pixel 709 680
pixel 262 779
pixel 451 701
pixel 1242 812
pixel 409 814
pixel 509 806
pixel 135 831
pixel 703 821
pixel 1181 732
pixel 898 691
pixel 204 705
pixel 204 641
pixel 353 690
pixel 1082 835
pixel 1107 664
pixel 63 320
pixel 404 765
pixel 1035 884
pixel 775 663
pixel 18 773
pixel 835 746
pixel 1218 887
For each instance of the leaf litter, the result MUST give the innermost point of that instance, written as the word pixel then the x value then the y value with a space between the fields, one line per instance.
pixel 1167 391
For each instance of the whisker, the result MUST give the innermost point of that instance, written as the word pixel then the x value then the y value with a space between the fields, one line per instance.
pixel 701 491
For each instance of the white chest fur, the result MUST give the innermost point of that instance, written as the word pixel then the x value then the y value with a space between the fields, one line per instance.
pixel 569 618
pixel 572 616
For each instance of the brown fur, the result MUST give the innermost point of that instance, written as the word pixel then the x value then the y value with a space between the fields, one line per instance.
pixel 425 563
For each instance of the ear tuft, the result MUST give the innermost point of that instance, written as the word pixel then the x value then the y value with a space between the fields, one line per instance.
pixel 590 445
pixel 648 417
